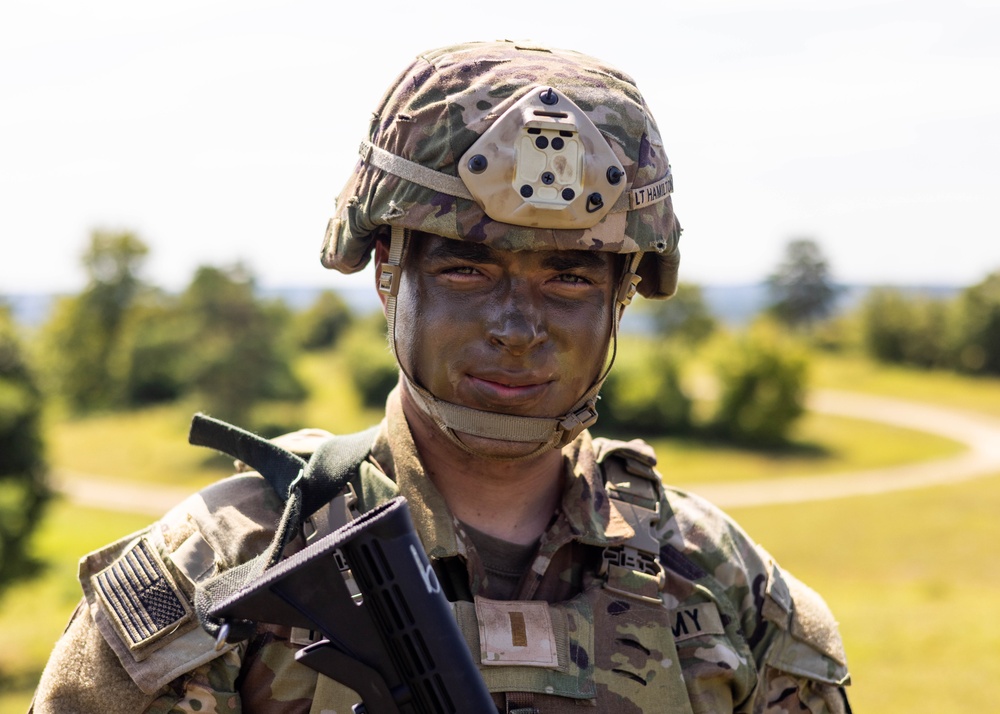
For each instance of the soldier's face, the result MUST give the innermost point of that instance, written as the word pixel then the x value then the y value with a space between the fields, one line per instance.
pixel 522 333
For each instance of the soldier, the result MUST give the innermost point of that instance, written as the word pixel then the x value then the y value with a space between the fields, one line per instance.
pixel 515 198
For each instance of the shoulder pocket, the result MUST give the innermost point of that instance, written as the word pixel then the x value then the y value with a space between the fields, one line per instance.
pixel 808 644
pixel 142 612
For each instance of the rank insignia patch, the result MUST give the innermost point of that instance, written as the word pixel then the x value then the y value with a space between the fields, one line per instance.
pixel 516 632
pixel 140 596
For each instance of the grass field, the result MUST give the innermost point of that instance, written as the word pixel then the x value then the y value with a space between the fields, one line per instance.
pixel 914 578
pixel 979 394
pixel 822 444
pixel 912 575
pixel 33 614
pixel 150 445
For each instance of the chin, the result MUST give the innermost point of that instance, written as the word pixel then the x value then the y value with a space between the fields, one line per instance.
pixel 485 448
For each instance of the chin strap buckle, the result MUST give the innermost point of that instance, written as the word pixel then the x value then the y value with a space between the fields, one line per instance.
pixel 584 417
pixel 630 286
pixel 388 280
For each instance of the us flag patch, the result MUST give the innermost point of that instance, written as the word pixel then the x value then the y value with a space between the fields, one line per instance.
pixel 140 595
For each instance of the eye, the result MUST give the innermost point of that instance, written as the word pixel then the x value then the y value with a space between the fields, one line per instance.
pixel 572 279
pixel 460 271
pixel 461 275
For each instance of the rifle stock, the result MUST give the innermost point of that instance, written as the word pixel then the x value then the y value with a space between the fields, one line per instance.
pixel 399 646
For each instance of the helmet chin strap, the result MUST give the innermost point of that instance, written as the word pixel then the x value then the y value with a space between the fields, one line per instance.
pixel 454 419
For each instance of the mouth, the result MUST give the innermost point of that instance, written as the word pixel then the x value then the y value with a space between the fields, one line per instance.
pixel 508 390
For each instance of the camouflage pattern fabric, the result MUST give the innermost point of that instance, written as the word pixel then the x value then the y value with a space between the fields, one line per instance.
pixel 724 629
pixel 440 106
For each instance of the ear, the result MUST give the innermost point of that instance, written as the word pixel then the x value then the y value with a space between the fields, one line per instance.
pixel 381 255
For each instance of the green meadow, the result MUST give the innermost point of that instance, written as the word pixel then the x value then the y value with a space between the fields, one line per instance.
pixel 910 575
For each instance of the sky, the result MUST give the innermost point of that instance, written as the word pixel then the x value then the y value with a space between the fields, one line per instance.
pixel 221 131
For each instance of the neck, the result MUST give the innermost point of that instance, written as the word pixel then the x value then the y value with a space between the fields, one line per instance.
pixel 509 499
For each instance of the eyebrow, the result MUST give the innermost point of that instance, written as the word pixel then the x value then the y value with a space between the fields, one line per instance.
pixel 574 259
pixel 475 252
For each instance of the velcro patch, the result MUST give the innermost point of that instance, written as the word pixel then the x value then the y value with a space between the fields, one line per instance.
pixel 696 620
pixel 140 597
pixel 516 632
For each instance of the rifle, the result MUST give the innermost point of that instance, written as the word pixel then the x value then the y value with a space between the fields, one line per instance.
pixel 398 646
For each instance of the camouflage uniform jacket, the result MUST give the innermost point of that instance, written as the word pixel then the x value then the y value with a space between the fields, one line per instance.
pixel 719 628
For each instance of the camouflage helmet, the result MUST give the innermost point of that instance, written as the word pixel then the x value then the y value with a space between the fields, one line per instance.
pixel 519 147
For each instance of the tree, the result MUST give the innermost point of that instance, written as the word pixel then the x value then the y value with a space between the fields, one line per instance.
pixel 157 339
pixel 236 347
pixel 84 336
pixel 979 326
pixel 23 487
pixel 801 290
pixel 685 316
pixel 324 322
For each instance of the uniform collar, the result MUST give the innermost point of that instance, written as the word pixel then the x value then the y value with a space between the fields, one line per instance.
pixel 586 513
pixel 590 514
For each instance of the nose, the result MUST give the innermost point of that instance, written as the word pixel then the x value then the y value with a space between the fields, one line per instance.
pixel 518 323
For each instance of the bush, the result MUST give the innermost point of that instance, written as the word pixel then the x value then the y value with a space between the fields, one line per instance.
pixel 762 385
pixel 838 334
pixel 685 317
pixel 643 395
pixel 979 327
pixel 906 329
pixel 370 363
pixel 322 324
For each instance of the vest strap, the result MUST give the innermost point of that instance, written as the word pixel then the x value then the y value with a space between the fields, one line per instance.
pixel 634 567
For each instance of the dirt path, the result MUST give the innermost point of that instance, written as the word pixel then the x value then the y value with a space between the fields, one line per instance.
pixel 96 492
pixel 980 433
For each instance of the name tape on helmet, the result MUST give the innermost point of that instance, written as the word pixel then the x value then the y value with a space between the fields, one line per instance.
pixel 652 193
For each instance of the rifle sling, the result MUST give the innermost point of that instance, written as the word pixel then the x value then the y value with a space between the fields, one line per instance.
pixel 304 487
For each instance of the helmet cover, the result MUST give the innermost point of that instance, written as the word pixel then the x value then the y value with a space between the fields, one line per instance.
pixel 418 168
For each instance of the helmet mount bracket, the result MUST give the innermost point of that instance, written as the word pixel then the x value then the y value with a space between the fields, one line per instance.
pixel 543 163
